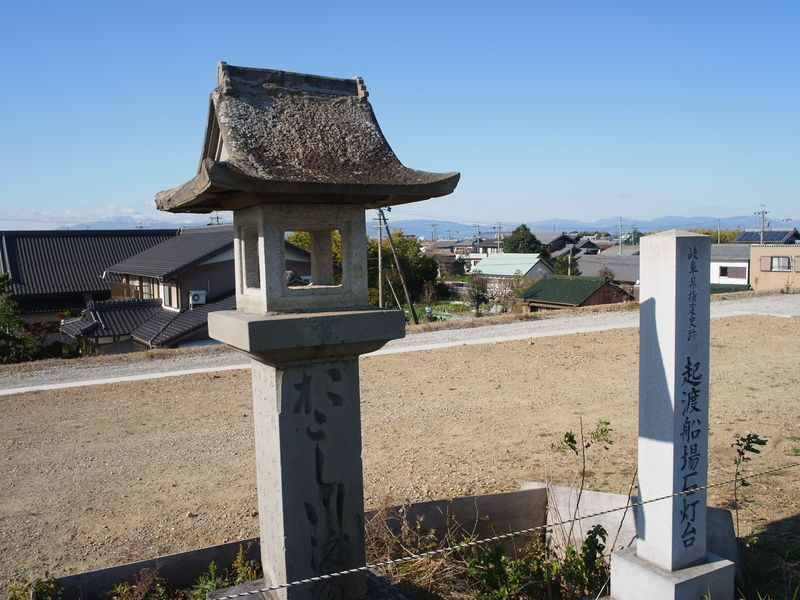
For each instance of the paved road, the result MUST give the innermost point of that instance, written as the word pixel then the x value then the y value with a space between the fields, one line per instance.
pixel 80 373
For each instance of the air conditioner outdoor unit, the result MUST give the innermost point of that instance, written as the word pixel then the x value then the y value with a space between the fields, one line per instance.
pixel 197 297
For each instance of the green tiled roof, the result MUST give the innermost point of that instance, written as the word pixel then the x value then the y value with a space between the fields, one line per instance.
pixel 507 263
pixel 563 289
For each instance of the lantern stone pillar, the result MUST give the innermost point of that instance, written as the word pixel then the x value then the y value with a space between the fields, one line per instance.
pixel 306 391
pixel 293 152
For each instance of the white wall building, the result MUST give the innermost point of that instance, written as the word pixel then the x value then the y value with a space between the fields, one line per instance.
pixel 730 264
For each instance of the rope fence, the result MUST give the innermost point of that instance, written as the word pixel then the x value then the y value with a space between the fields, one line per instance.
pixel 495 538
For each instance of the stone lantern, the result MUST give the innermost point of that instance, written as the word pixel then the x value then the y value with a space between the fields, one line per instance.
pixel 290 152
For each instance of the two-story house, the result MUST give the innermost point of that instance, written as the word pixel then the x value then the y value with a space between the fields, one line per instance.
pixel 55 273
pixel 161 297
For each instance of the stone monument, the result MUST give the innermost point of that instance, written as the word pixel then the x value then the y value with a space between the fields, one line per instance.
pixel 291 152
pixel 670 559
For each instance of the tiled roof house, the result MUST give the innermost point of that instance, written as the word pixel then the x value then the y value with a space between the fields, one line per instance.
pixel 162 296
pixel 561 291
pixel 57 271
pixel 508 264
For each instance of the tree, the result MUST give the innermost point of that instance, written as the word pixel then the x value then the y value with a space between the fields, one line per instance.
pixel 509 289
pixel 565 265
pixel 633 238
pixel 418 268
pixel 478 292
pixel 725 235
pixel 16 344
pixel 302 239
pixel 606 273
pixel 522 240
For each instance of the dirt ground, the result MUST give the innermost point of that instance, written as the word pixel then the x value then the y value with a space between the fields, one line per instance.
pixel 101 475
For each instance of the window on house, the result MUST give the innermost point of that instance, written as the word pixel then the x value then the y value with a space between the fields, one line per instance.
pixel 734 272
pixel 775 263
pixel 170 297
pixel 136 288
pixel 148 291
pixel 797 263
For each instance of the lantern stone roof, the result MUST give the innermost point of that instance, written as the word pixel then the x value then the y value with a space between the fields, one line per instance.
pixel 274 136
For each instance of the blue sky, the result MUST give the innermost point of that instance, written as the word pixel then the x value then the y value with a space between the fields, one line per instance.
pixel 548 109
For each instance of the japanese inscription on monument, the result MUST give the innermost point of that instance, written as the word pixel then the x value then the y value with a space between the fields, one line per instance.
pixel 694 419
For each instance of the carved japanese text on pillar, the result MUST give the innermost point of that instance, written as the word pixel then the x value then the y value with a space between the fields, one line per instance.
pixel 325 513
pixel 691 446
pixel 691 333
pixel 693 409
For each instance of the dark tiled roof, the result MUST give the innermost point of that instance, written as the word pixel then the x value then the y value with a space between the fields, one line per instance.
pixel 63 262
pixel 444 244
pixel 730 252
pixel 625 268
pixel 296 137
pixel 168 326
pixel 548 237
pixel 623 250
pixel 563 289
pixel 193 245
pixel 586 243
pixel 771 236
pixel 54 304
pixel 112 317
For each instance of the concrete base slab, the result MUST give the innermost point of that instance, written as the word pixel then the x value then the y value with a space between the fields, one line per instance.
pixel 378 588
pixel 633 579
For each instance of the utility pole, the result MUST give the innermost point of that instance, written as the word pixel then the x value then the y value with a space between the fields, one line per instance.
pixel 762 217
pixel 399 270
pixel 433 232
pixel 380 260
pixel 499 229
pixel 619 237
pixel 719 233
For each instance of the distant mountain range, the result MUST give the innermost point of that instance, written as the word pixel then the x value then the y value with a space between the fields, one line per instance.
pixel 124 222
pixel 454 229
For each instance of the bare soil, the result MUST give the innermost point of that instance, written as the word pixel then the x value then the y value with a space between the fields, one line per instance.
pixel 101 475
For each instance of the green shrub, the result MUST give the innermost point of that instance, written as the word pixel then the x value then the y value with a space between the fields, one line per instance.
pixel 35 588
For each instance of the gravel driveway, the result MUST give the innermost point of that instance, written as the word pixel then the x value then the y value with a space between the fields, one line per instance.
pixel 74 373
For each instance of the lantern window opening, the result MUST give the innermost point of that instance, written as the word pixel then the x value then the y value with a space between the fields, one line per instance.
pixel 324 272
pixel 250 261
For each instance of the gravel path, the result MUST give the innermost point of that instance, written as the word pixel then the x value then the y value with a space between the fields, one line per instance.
pixel 75 373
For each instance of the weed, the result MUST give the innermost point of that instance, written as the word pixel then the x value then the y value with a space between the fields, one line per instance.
pixel 147 586
pixel 600 435
pixel 743 445
pixel 390 535
pixel 35 588
pixel 208 582
pixel 244 570
pixel 539 573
